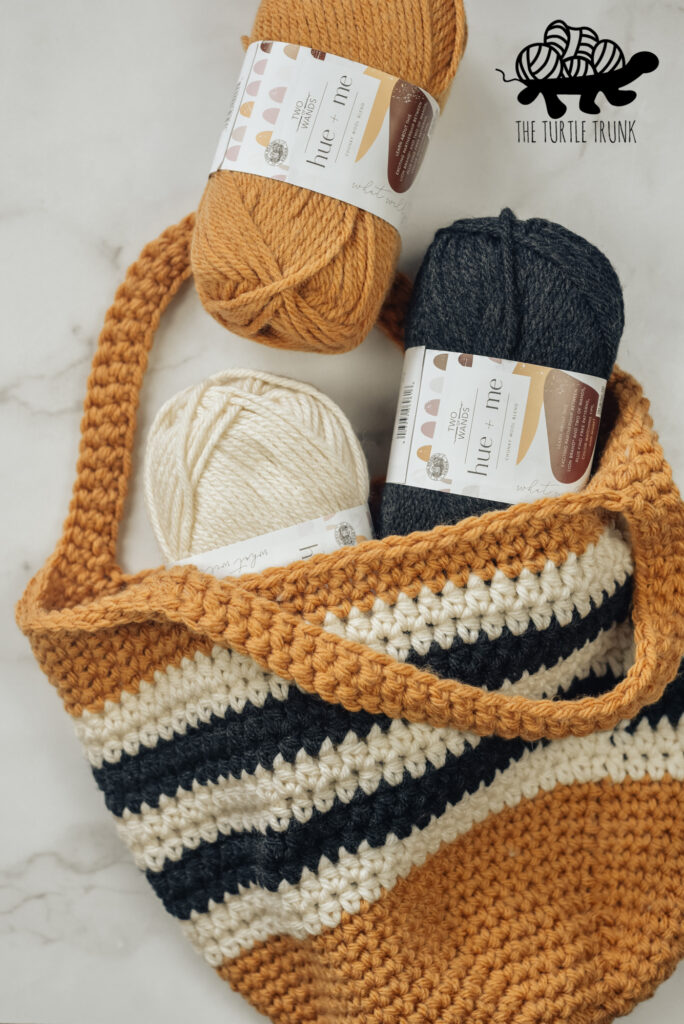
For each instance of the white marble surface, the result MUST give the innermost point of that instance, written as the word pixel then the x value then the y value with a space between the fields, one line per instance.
pixel 109 119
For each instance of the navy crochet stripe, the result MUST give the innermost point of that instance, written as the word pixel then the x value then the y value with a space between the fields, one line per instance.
pixel 267 858
pixel 229 746
pixel 489 662
pixel 240 741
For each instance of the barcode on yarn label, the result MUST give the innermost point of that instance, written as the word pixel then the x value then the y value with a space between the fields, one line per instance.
pixel 406 414
pixel 493 428
pixel 331 125
pixel 291 544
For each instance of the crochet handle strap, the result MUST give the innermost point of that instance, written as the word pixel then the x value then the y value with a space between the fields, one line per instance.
pixel 86 557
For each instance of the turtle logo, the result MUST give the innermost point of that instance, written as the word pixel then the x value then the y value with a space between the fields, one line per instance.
pixel 574 61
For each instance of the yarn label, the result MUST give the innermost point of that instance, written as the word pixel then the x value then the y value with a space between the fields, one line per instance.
pixel 281 547
pixel 330 125
pixel 493 428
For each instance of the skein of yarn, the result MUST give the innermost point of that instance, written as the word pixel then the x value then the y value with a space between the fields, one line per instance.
pixel 577 67
pixel 525 290
pixel 607 57
pixel 245 453
pixel 569 41
pixel 537 62
pixel 292 268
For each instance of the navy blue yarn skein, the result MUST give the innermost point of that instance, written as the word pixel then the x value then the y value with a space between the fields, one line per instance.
pixel 498 286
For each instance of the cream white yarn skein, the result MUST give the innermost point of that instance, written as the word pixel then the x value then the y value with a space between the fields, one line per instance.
pixel 245 453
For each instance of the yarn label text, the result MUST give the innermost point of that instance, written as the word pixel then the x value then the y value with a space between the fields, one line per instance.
pixel 493 428
pixel 329 125
pixel 563 133
pixel 291 544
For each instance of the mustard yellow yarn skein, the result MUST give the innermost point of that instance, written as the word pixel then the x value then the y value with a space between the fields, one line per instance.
pixel 292 268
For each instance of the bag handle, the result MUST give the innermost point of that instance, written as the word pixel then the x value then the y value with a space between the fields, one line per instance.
pixel 87 552
pixel 85 560
pixel 81 588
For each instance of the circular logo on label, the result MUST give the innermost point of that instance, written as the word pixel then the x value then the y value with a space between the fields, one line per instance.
pixel 276 152
pixel 345 534
pixel 437 467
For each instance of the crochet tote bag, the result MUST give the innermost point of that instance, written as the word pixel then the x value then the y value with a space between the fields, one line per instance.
pixel 430 778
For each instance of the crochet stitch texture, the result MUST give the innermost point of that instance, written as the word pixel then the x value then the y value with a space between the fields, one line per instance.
pixel 297 269
pixel 391 783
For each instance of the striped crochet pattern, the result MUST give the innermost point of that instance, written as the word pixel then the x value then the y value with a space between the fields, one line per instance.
pixel 434 778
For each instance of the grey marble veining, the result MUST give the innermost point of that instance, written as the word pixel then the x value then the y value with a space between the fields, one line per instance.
pixel 109 121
